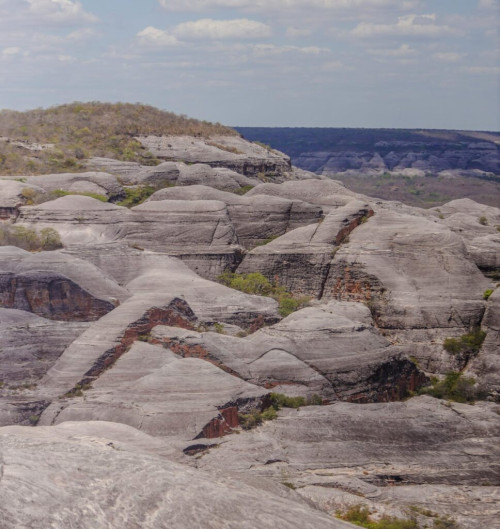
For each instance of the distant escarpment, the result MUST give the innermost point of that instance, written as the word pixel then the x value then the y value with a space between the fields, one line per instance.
pixel 421 167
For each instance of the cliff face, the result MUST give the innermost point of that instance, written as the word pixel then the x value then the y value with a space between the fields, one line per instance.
pixel 125 348
pixel 332 151
pixel 419 167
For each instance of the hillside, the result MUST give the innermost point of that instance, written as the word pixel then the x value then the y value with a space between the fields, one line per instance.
pixel 420 167
pixel 223 340
pixel 62 138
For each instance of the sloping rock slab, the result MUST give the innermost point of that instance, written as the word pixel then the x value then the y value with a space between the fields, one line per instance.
pixel 77 475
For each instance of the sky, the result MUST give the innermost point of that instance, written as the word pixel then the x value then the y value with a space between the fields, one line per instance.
pixel 310 63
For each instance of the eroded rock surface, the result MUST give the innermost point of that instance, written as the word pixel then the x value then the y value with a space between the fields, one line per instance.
pixel 423 452
pixel 82 474
pixel 160 348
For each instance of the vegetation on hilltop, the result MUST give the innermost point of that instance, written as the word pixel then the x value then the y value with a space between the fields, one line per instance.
pixel 78 131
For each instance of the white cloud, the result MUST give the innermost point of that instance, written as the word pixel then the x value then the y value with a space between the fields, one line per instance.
pixel 207 28
pixel 265 5
pixel 294 32
pixel 60 11
pixel 333 66
pixel 81 34
pixel 403 51
pixel 489 4
pixel 271 49
pixel 66 58
pixel 490 70
pixel 151 36
pixel 449 56
pixel 406 26
pixel 13 50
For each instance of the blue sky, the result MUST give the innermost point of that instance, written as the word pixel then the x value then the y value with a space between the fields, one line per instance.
pixel 330 63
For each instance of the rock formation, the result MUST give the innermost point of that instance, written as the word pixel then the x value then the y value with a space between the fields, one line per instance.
pixel 137 390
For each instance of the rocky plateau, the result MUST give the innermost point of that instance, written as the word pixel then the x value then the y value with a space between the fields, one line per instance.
pixel 136 354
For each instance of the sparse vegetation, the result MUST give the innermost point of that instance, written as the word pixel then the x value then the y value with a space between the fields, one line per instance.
pixel 267 241
pixel 487 293
pixel 77 391
pixel 256 418
pixel 360 515
pixel 469 343
pixel 243 190
pixel 226 148
pixel 483 221
pixel 29 239
pixel 68 134
pixel 256 283
pixel 454 387
pixel 61 193
pixel 275 402
pixel 219 328
pixel 136 195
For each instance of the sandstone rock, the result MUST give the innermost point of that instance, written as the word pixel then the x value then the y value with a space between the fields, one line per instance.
pixel 56 286
pixel 255 218
pixel 231 152
pixel 477 225
pixel 90 182
pixel 331 350
pixel 99 475
pixel 487 363
pixel 77 219
pixel 159 393
pixel 108 338
pixel 31 345
pixel 325 193
pixel 301 259
pixel 11 197
pixel 449 449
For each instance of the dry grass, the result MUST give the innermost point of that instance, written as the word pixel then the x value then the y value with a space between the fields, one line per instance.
pixel 81 130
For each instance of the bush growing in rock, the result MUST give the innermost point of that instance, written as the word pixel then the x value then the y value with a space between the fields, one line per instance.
pixel 256 283
pixel 469 343
pixel 29 239
pixel 136 195
pixel 454 387
pixel 360 515
pixel 487 293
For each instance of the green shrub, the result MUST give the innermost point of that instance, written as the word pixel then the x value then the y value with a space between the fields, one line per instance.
pixel 469 343
pixel 454 387
pixel 256 283
pixel 278 401
pixel 445 523
pixel 315 400
pixel 136 195
pixel 483 221
pixel 243 190
pixel 250 420
pixel 61 193
pixel 267 241
pixel 29 239
pixel 219 328
pixel 360 515
pixel 487 293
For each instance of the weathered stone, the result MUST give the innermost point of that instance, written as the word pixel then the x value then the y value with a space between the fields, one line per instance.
pixel 231 152
pixel 101 475
pixel 376 453
pixel 90 182
pixel 255 219
pixel 56 286
pixel 332 350
pixel 12 196
pixel 159 393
